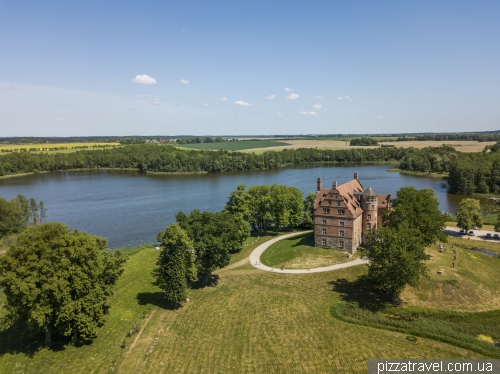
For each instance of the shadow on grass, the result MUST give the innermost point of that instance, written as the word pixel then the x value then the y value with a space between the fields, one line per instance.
pixel 156 299
pixel 305 240
pixel 362 292
pixel 210 280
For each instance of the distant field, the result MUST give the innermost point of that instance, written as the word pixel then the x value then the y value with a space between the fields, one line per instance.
pixel 235 146
pixel 54 147
pixel 459 145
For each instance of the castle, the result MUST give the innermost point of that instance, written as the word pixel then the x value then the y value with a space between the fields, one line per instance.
pixel 344 214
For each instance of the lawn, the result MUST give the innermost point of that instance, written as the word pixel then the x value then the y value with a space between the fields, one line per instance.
pixel 250 322
pixel 235 146
pixel 299 252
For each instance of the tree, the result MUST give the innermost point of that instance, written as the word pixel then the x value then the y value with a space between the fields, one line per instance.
pixel 469 214
pixel 237 202
pixel 59 279
pixel 308 219
pixel 396 258
pixel 419 209
pixel 43 211
pixel 176 263
pixel 34 209
pixel 14 215
pixel 497 224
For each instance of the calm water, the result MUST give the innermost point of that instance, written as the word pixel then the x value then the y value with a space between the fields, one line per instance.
pixel 130 208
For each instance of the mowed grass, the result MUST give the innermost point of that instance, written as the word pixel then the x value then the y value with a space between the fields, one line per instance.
pixel 299 252
pixel 250 322
pixel 235 146
pixel 55 147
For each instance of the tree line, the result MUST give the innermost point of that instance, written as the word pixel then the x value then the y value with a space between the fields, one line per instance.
pixel 469 173
pixel 168 159
pixel 480 137
pixel 19 213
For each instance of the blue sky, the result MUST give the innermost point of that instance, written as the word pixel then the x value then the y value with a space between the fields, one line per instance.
pixel 72 68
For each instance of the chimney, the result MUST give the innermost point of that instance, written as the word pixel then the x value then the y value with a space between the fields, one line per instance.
pixel 356 176
pixel 318 185
pixel 334 184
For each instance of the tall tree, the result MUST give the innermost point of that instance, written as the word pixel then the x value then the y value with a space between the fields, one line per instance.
pixel 420 209
pixel 176 263
pixel 308 219
pixel 34 210
pixel 59 279
pixel 237 202
pixel 469 214
pixel 397 258
pixel 43 211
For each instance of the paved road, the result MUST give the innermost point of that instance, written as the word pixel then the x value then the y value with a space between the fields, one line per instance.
pixel 257 252
pixel 478 234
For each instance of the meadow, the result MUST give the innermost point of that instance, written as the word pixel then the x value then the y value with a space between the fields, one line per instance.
pixel 54 147
pixel 235 146
pixel 250 322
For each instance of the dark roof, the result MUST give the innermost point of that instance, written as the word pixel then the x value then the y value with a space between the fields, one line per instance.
pixel 369 192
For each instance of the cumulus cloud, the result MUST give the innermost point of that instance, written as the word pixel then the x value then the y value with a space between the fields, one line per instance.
pixel 308 113
pixel 292 97
pixel 279 114
pixel 288 89
pixel 317 106
pixel 155 101
pixel 144 79
pixel 243 103
pixel 317 97
pixel 379 117
pixel 223 99
pixel 184 81
pixel 339 98
pixel 204 105
pixel 58 120
pixel 270 97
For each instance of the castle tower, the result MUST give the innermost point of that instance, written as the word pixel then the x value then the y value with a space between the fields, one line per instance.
pixel 369 202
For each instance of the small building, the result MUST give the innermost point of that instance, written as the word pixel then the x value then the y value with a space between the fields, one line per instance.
pixel 344 214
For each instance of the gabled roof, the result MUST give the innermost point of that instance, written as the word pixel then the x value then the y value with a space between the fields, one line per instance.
pixel 347 191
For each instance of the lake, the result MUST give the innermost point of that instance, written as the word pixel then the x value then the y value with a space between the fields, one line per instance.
pixel 130 208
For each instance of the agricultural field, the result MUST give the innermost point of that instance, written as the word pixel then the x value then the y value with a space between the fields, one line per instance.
pixel 253 322
pixel 460 145
pixel 54 147
pixel 236 146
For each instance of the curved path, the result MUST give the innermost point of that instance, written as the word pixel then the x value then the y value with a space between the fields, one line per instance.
pixel 257 252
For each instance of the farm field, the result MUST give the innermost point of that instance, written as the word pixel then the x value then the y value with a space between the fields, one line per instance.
pixel 459 145
pixel 54 147
pixel 235 146
pixel 251 322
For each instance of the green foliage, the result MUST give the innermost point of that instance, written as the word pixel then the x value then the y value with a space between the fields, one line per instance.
pixel 14 215
pixel 215 236
pixel 497 224
pixel 176 263
pixel 396 258
pixel 364 141
pixel 308 219
pixel 458 328
pixel 58 279
pixel 469 214
pixel 420 210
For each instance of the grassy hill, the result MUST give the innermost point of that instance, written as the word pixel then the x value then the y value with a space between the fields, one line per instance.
pixel 251 322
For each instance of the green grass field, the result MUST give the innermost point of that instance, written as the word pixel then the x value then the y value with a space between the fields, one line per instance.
pixel 251 322
pixel 234 146
pixel 54 147
pixel 299 252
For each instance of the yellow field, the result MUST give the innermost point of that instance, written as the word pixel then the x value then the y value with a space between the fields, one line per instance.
pixel 54 147
pixel 459 145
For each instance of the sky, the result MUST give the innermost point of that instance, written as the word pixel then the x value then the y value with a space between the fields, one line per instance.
pixel 81 68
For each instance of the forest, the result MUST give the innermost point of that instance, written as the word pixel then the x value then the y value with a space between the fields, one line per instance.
pixel 164 158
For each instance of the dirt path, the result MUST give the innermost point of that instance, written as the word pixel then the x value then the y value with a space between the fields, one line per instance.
pixel 257 252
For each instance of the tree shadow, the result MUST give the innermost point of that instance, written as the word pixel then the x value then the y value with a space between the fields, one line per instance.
pixel 18 339
pixel 306 240
pixel 211 280
pixel 362 292
pixel 156 299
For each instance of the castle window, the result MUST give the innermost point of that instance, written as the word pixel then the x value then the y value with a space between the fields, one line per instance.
pixel 373 207
pixel 341 223
pixel 323 231
pixel 341 244
pixel 341 233
pixel 329 202
pixel 323 222
pixel 338 203
pixel 368 226
pixel 323 241
pixel 369 216
pixel 341 211
pixel 326 210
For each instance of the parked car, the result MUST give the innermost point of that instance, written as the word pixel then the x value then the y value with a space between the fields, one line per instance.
pixel 462 232
pixel 476 228
pixel 496 236
pixel 488 236
pixel 471 233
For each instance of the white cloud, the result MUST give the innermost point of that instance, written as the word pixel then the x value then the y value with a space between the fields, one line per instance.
pixel 366 112
pixel 270 97
pixel 144 79
pixel 204 105
pixel 155 101
pixel 58 120
pixel 243 103
pixel 288 89
pixel 339 98
pixel 317 106
pixel 279 114
pixel 292 96
pixel 223 99
pixel 309 113
pixel 317 97
pixel 379 117
pixel 184 81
